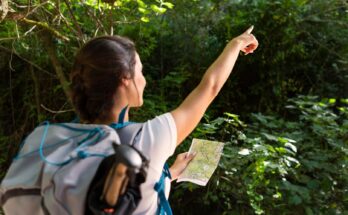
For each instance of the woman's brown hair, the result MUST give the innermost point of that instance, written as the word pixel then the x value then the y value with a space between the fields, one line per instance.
pixel 98 70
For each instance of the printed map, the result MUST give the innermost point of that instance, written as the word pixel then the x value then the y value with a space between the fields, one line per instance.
pixel 202 167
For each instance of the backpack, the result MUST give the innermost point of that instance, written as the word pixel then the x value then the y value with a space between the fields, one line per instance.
pixel 70 168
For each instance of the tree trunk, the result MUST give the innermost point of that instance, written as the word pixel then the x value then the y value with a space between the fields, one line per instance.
pixel 51 50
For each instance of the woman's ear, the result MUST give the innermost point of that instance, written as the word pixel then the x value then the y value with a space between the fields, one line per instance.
pixel 125 82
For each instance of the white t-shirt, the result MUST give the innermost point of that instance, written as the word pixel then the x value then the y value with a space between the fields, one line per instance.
pixel 157 141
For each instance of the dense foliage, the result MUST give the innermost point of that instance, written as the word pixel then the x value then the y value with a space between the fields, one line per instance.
pixel 275 165
pixel 289 156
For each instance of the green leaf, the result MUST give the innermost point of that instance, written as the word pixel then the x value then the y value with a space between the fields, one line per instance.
pixel 142 10
pixel 141 3
pixel 332 101
pixel 168 5
pixel 145 19
pixel 290 146
pixel 244 152
pixel 157 9
pixel 291 159
pixel 277 195
pixel 270 137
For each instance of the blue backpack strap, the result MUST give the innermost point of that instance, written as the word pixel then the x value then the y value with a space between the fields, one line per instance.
pixel 122 115
pixel 93 136
pixel 166 171
pixel 164 206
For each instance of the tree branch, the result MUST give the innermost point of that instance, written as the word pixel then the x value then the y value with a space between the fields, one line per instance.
pixel 45 26
pixel 36 91
pixel 80 34
pixel 99 24
pixel 74 31
pixel 25 60
pixel 51 50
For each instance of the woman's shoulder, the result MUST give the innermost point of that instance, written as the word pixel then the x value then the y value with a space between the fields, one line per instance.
pixel 165 119
pixel 162 126
pixel 158 138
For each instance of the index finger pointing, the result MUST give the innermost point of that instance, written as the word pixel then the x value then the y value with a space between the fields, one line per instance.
pixel 250 29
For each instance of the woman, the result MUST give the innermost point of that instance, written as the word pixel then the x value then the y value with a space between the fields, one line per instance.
pixel 107 79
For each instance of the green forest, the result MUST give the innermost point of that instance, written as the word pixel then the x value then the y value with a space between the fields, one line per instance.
pixel 283 113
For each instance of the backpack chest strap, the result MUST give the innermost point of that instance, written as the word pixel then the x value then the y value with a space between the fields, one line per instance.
pixel 164 206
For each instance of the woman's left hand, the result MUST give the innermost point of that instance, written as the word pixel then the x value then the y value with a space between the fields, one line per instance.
pixel 180 164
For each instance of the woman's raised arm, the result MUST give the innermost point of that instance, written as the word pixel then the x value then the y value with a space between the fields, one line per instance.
pixel 192 109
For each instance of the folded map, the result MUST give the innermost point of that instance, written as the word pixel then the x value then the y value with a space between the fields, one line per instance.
pixel 203 165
